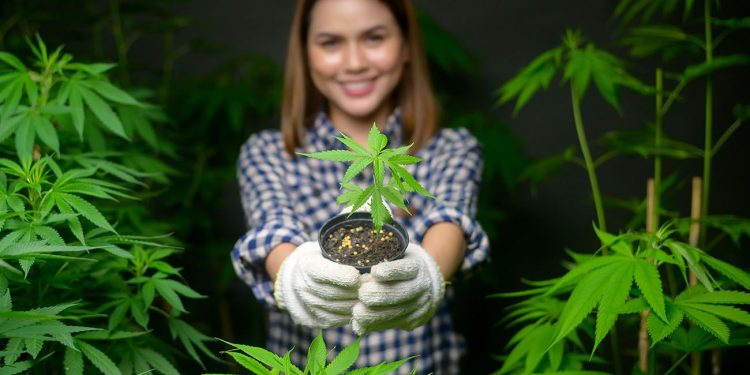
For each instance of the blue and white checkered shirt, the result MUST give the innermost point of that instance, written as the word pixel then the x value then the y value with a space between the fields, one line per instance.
pixel 289 199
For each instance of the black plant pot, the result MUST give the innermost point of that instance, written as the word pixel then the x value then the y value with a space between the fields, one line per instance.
pixel 362 218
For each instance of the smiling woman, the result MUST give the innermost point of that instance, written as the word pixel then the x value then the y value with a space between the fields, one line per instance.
pixel 352 63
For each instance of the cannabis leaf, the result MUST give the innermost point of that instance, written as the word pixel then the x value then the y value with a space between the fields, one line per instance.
pixel 381 159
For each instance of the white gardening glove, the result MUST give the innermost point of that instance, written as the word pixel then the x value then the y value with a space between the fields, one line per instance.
pixel 403 293
pixel 316 291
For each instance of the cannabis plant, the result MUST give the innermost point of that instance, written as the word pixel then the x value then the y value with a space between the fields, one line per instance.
pixel 78 289
pixel 262 362
pixel 380 159
pixel 685 299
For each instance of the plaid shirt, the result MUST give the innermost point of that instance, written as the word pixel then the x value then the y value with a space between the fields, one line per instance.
pixel 289 199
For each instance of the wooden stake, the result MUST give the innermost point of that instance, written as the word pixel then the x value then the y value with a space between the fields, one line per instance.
pixel 695 230
pixel 643 341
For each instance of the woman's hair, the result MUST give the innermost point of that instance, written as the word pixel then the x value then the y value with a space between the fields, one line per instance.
pixel 413 95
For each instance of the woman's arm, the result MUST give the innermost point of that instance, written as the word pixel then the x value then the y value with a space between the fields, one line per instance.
pixel 446 244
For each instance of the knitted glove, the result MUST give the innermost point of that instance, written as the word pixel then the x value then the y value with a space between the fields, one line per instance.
pixel 316 291
pixel 403 293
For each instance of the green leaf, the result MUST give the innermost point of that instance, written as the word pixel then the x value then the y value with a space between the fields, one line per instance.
pixel 730 313
pixel 615 242
pixel 117 315
pixel 158 361
pixel 353 145
pixel 692 256
pixel 392 195
pixel 139 313
pixel 586 294
pixel 378 211
pixel 110 92
pixel 710 323
pixel 618 288
pixel 249 363
pixel 77 112
pixel 345 359
pixel 356 168
pixel 46 132
pixel 580 270
pixel 12 61
pixel 718 63
pixel 264 356
pixel 334 155
pixel 87 210
pixel 720 296
pixel 98 358
pixel 374 140
pixel 535 76
pixel 102 111
pixel 316 355
pixel 405 159
pixel 73 362
pixel 378 172
pixel 659 329
pixel 737 275
pixel 648 281
pixel 167 291
pixel 25 141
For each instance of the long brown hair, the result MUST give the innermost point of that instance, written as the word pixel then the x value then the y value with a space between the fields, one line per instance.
pixel 413 95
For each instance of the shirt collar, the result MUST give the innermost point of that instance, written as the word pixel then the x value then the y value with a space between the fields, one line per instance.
pixel 323 134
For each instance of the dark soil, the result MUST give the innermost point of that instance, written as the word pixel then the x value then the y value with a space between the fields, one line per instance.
pixel 358 245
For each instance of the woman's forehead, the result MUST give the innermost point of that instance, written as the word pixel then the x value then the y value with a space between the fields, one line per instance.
pixel 349 16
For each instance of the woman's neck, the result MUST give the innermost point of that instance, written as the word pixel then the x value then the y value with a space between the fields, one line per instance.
pixel 358 128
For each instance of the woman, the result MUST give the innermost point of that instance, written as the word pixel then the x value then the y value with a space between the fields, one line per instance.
pixel 352 63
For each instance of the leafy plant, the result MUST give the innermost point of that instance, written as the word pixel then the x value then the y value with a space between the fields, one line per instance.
pixel 62 256
pixel 259 360
pixel 381 159
pixel 687 300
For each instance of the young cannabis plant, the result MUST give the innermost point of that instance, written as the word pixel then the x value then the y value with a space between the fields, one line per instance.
pixel 381 158
pixel 256 359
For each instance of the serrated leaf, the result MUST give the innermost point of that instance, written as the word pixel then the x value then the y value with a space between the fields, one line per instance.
pixel 720 296
pixel 659 329
pixel 98 358
pixel 405 159
pixel 117 315
pixel 102 111
pixel 110 92
pixel 353 145
pixel 392 195
pixel 170 295
pixel 586 294
pixel 648 281
pixel 373 139
pixel 615 242
pixel 316 355
pixel 618 288
pixel 378 172
pixel 158 361
pixel 77 111
pixel 47 133
pixel 249 363
pixel 73 362
pixel 710 323
pixel 334 155
pixel 580 270
pixel 87 210
pixel 730 313
pixel 737 275
pixel 12 61
pixel 262 355
pixel 356 168
pixel 344 359
pixel 33 346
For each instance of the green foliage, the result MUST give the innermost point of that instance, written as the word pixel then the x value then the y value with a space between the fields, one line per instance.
pixel 262 362
pixel 380 159
pixel 636 272
pixel 61 240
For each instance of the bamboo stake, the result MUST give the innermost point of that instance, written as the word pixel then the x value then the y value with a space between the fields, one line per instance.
pixel 643 341
pixel 694 238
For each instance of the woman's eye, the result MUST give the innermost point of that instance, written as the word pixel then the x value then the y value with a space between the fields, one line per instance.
pixel 376 38
pixel 329 43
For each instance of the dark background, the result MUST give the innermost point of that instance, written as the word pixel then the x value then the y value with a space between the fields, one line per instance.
pixel 536 223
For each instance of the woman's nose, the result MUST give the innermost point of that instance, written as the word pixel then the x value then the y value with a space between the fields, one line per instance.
pixel 355 59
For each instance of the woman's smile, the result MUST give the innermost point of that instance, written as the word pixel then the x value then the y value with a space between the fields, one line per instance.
pixel 358 88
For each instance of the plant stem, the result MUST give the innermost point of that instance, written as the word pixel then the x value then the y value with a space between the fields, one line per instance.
pixel 725 136
pixel 672 97
pixel 708 126
pixel 120 44
pixel 677 363
pixel 590 168
pixel 657 144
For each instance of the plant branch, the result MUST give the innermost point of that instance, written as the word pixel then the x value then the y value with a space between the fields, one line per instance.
pixel 672 96
pixel 590 167
pixel 724 137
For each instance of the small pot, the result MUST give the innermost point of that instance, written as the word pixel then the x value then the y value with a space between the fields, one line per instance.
pixel 362 218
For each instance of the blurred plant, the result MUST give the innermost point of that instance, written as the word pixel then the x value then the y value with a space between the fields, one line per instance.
pixel 87 271
pixel 259 360
pixel 599 287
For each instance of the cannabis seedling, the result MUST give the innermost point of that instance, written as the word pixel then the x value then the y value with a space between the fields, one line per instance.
pixel 381 159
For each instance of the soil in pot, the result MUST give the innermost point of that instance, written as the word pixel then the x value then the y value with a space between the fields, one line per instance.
pixel 358 245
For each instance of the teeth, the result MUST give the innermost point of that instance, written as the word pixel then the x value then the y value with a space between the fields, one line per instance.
pixel 357 85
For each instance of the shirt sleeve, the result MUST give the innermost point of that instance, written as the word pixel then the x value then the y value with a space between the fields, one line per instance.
pixel 455 171
pixel 270 216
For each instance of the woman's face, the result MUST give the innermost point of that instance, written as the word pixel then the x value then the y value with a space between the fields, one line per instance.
pixel 356 54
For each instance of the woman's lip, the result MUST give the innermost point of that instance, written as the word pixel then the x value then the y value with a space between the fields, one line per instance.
pixel 358 88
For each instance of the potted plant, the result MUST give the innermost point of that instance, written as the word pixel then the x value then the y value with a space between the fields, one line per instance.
pixel 362 239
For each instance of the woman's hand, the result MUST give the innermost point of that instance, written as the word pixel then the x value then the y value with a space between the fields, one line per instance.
pixel 316 291
pixel 403 293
